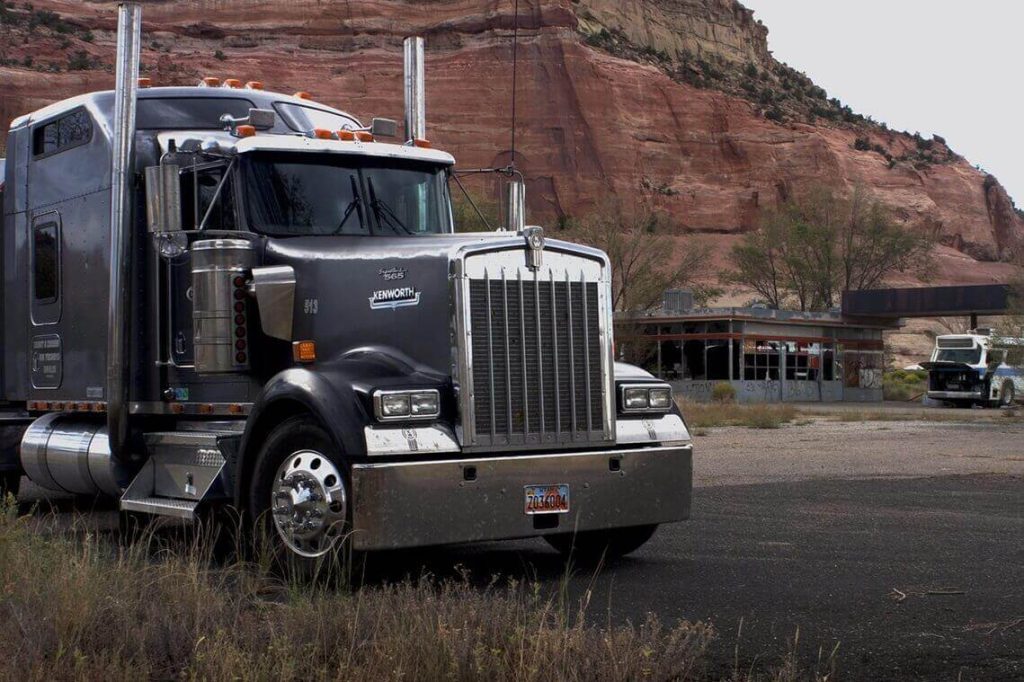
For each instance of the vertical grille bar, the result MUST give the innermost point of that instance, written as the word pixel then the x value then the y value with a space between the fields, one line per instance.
pixel 586 353
pixel 540 351
pixel 554 344
pixel 508 355
pixel 522 347
pixel 490 353
pixel 572 353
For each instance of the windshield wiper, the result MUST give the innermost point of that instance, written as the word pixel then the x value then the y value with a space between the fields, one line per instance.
pixel 353 206
pixel 382 209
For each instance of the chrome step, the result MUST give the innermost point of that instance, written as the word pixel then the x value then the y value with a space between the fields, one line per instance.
pixel 162 506
pixel 184 468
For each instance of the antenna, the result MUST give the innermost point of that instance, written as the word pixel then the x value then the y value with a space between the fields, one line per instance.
pixel 515 56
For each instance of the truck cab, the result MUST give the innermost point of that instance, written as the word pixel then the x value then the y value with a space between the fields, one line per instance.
pixel 975 368
pixel 221 295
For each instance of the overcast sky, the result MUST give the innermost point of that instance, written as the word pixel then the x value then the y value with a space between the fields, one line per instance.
pixel 949 67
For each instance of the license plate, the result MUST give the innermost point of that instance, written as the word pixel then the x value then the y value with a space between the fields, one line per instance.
pixel 546 499
pixel 953 387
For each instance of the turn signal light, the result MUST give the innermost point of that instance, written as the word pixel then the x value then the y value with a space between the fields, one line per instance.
pixel 209 82
pixel 363 136
pixel 304 351
pixel 323 134
pixel 232 83
pixel 422 144
pixel 254 85
pixel 302 94
pixel 145 83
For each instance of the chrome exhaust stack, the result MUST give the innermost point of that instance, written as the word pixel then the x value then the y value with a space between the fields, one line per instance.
pixel 415 93
pixel 516 204
pixel 129 30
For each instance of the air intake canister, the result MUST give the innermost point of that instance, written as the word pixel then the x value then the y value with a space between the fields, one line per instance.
pixel 220 304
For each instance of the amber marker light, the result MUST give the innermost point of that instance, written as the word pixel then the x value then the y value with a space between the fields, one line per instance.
pixel 323 134
pixel 346 135
pixel 245 131
pixel 209 82
pixel 363 136
pixel 145 83
pixel 422 144
pixel 302 94
pixel 232 83
pixel 254 85
pixel 304 351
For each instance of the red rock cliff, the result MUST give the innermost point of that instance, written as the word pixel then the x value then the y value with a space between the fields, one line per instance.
pixel 678 101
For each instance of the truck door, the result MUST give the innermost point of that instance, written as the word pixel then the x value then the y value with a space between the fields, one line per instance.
pixel 46 363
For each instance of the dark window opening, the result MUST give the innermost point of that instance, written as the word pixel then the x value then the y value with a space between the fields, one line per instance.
pixel 693 366
pixel 45 257
pixel 718 360
pixel 303 119
pixel 66 132
pixel 194 207
pixel 671 360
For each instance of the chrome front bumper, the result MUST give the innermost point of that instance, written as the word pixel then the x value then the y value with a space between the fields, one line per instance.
pixel 956 395
pixel 411 504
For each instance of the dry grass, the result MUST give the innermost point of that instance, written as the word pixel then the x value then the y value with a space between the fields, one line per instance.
pixel 755 415
pixel 78 606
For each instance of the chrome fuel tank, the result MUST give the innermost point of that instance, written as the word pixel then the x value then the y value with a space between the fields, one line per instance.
pixel 71 453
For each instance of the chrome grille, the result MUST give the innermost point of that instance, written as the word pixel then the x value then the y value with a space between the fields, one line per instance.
pixel 537 360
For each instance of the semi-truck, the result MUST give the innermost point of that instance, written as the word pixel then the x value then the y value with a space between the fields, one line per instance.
pixel 223 296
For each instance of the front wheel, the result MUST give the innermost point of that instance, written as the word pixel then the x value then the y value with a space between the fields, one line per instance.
pixel 298 498
pixel 1006 395
pixel 598 544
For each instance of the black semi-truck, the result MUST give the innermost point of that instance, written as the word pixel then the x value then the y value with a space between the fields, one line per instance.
pixel 220 295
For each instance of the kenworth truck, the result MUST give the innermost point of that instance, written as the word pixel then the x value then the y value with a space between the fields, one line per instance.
pixel 220 295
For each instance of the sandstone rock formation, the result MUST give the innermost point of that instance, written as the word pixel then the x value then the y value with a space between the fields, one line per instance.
pixel 675 101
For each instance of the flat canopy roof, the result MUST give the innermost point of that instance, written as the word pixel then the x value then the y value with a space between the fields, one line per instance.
pixel 983 299
pixel 821 319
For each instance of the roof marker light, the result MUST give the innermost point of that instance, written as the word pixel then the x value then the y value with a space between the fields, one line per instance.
pixel 364 136
pixel 254 85
pixel 209 82
pixel 231 83
pixel 322 134
pixel 302 94
pixel 422 144
pixel 245 131
pixel 346 135
pixel 145 82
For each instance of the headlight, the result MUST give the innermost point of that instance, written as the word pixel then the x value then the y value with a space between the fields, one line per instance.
pixel 405 405
pixel 645 398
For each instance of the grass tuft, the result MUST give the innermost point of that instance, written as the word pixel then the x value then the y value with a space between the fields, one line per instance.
pixel 701 416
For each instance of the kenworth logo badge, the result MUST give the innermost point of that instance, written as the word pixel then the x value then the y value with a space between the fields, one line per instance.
pixel 394 298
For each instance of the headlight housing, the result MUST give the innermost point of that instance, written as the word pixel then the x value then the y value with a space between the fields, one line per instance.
pixel 645 398
pixel 406 405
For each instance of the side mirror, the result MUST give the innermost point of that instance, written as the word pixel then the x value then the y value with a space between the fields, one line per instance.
pixel 262 119
pixel 163 198
pixel 384 127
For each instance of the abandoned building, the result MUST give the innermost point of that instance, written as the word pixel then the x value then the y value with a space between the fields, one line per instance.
pixel 767 355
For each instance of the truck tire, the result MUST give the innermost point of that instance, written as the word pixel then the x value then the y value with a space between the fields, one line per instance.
pixel 597 544
pixel 298 496
pixel 1006 394
pixel 10 481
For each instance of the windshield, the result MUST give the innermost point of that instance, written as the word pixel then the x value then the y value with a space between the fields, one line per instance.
pixel 288 195
pixel 304 119
pixel 966 356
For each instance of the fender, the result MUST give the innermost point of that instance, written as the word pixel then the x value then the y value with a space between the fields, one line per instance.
pixel 338 394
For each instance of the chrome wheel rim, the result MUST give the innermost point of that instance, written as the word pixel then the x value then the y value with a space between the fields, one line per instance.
pixel 308 503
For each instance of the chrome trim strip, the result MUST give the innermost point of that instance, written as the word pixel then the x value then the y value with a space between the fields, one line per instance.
pixel 418 440
pixel 666 429
pixel 586 352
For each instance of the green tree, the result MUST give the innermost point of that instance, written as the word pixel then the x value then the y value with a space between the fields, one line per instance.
pixel 809 250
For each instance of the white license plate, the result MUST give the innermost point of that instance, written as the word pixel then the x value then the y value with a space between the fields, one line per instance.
pixel 546 499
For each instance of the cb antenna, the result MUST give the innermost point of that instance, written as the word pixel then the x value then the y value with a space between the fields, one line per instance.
pixel 515 56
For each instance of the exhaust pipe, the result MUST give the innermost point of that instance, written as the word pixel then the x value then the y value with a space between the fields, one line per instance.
pixel 129 30
pixel 516 204
pixel 415 93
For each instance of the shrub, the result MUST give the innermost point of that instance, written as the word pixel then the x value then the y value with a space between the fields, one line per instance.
pixel 79 61
pixel 862 144
pixel 775 114
pixel 723 393
pixel 219 55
